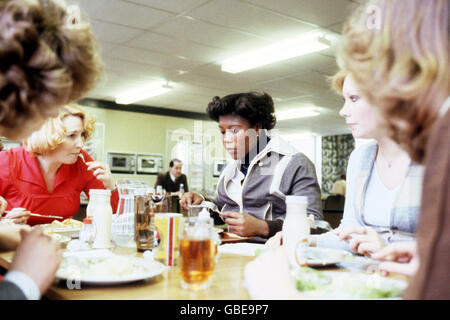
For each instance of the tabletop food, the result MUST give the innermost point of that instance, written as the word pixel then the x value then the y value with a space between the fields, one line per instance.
pixel 67 227
pixel 67 223
pixel 108 269
pixel 347 285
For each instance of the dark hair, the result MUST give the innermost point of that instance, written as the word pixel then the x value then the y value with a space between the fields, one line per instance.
pixel 46 60
pixel 256 107
pixel 172 162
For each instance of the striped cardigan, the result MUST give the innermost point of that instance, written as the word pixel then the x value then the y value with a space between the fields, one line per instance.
pixel 405 209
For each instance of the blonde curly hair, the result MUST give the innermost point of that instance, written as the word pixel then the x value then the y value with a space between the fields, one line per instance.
pixel 53 132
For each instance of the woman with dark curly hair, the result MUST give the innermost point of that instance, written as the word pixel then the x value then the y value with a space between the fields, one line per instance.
pixel 48 58
pixel 253 185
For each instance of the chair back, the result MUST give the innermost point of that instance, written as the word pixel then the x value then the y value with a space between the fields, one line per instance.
pixel 334 202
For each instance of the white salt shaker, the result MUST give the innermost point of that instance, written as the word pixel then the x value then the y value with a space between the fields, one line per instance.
pixel 296 229
pixel 100 202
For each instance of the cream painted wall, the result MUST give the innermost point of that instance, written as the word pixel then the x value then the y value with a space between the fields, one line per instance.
pixel 146 133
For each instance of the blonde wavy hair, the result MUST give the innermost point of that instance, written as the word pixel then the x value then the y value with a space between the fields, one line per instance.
pixel 337 81
pixel 398 54
pixel 53 132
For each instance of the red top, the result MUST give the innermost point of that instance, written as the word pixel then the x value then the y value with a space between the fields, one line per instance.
pixel 22 185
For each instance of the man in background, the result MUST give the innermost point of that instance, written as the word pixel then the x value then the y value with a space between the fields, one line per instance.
pixel 173 179
pixel 339 185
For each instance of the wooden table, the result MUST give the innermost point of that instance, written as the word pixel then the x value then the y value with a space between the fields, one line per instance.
pixel 226 283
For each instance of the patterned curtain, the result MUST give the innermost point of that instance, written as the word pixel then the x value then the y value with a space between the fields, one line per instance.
pixel 335 154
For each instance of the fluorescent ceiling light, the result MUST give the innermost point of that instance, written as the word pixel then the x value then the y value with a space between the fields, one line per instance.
pixel 144 92
pixel 304 44
pixel 297 113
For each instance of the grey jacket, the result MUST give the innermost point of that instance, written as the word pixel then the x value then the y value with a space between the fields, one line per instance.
pixel 278 170
pixel 406 206
pixel 9 291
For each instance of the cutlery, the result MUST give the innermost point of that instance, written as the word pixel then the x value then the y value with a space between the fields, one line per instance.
pixel 321 224
pixel 214 211
pixel 41 216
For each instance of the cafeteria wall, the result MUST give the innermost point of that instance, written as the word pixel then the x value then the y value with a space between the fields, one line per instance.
pixel 146 133
pixel 139 132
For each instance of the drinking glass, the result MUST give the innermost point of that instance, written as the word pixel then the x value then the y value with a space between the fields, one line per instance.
pixel 194 209
pixel 197 252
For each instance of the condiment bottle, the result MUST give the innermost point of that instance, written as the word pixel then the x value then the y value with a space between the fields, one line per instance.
pixel 181 189
pixel 144 223
pixel 296 229
pixel 100 208
pixel 87 231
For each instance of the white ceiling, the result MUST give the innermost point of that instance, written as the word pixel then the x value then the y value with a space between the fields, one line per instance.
pixel 184 41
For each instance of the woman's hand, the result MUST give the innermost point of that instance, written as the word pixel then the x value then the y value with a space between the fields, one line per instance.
pixel 3 205
pixel 18 215
pixel 363 240
pixel 10 236
pixel 245 225
pixel 103 173
pixel 401 257
pixel 269 277
pixel 276 241
pixel 189 198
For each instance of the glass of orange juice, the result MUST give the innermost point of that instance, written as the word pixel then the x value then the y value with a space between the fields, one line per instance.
pixel 197 252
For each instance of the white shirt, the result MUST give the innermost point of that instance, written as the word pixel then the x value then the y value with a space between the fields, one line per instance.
pixel 234 186
pixel 379 201
pixel 172 177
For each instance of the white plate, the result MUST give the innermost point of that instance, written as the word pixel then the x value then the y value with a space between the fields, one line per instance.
pixel 243 248
pixel 91 267
pixel 72 232
pixel 355 285
pixel 61 238
pixel 318 257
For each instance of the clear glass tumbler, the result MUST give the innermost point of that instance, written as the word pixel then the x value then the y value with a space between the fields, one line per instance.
pixel 197 252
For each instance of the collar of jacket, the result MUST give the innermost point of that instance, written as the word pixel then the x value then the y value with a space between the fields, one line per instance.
pixel 28 170
pixel 409 193
pixel 276 145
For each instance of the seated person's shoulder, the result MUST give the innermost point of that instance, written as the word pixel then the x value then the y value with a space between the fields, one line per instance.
pixel 300 159
pixel 363 150
pixel 161 176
